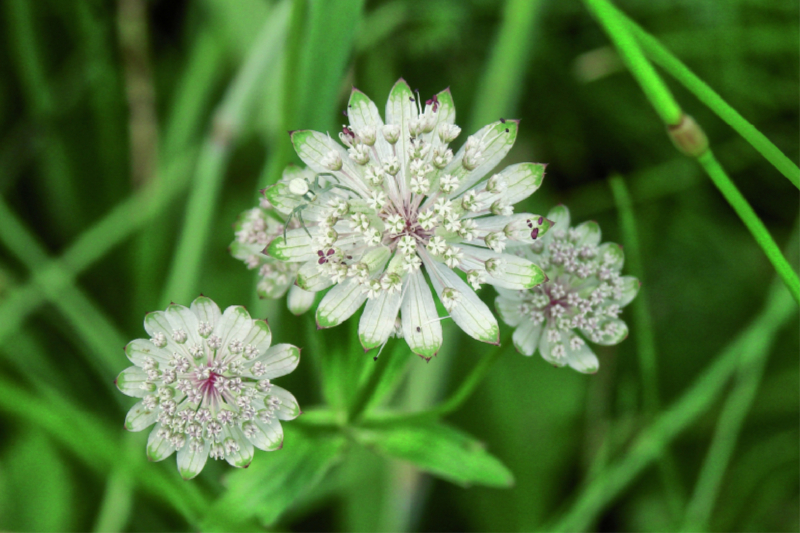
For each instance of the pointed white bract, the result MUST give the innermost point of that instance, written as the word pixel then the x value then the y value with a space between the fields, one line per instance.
pixel 581 300
pixel 389 203
pixel 257 227
pixel 204 380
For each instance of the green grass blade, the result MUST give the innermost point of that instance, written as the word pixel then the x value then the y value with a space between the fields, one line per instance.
pixel 662 57
pixel 232 112
pixel 652 441
pixel 734 413
pixel 500 87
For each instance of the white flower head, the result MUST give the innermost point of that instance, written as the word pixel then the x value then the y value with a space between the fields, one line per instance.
pixel 581 300
pixel 419 210
pixel 221 404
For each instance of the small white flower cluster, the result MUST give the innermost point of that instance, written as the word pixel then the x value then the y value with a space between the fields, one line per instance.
pixel 204 381
pixel 396 199
pixel 584 293
pixel 254 230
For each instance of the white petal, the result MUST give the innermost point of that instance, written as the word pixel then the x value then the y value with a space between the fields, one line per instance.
pixel 340 303
pixel 311 279
pixel 620 335
pixel 630 288
pixel 377 320
pixel 312 147
pixel 181 317
pixel 243 457
pixel 588 233
pixel 518 273
pixel 470 313
pixel 545 349
pixel 300 300
pixel 297 247
pixel 401 109
pixel 138 349
pixel 499 137
pixel 280 360
pixel 191 463
pixel 259 336
pixel 507 305
pixel 269 436
pixel 139 418
pixel 421 326
pixel 158 448
pixel 583 359
pixel 130 380
pixel 526 337
pixel 560 216
pixel 235 324
pixel 614 251
pixel 288 408
pixel 362 113
pixel 206 310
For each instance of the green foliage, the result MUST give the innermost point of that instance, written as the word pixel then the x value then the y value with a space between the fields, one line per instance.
pixel 704 394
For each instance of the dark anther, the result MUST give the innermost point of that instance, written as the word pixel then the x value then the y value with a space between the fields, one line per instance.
pixel 411 98
pixel 503 120
pixel 530 225
pixel 344 112
pixel 541 220
pixel 347 131
pixel 330 252
pixel 506 130
pixel 433 101
pixel 419 329
pixel 535 233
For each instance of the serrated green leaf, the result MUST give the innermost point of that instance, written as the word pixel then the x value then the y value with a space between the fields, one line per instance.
pixel 440 450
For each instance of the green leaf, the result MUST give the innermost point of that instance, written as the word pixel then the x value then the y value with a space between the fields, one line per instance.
pixel 275 480
pixel 440 450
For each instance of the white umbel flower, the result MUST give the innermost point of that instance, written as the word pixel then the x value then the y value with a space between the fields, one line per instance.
pixel 257 227
pixel 411 209
pixel 204 381
pixel 581 300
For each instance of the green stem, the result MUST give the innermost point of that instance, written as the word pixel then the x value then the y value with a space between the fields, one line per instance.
pixel 228 119
pixel 753 223
pixel 365 393
pixel 474 378
pixel 654 439
pixel 500 86
pixel 653 86
pixel 645 338
pixel 661 56
pixel 734 414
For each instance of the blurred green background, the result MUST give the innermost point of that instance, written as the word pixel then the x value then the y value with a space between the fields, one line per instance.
pixel 132 133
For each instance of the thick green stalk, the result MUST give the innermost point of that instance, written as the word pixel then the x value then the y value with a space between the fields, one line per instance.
pixel 703 393
pixel 228 119
pixel 662 57
pixel 688 136
pixel 653 86
pixel 753 223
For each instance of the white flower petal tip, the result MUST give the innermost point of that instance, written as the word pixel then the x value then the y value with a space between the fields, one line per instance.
pixel 204 380
pixel 580 300
pixel 388 206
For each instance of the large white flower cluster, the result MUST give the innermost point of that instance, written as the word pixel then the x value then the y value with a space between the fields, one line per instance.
pixel 392 202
